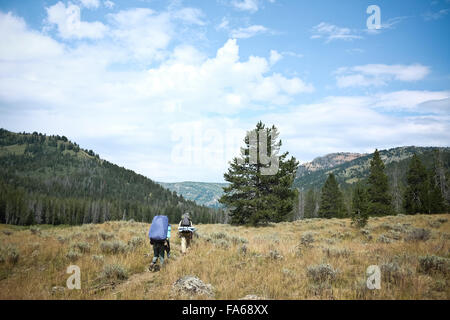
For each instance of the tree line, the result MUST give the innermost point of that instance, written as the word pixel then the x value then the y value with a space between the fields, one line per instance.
pixel 42 182
pixel 424 193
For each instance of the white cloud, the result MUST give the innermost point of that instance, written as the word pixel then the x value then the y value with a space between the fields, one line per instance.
pixel 20 43
pixel 274 57
pixel 190 15
pixel 246 5
pixel 76 90
pixel 332 32
pixel 69 23
pixel 362 123
pixel 92 4
pixel 142 32
pixel 248 32
pixel 436 15
pixel 379 74
pixel 224 24
pixel 108 4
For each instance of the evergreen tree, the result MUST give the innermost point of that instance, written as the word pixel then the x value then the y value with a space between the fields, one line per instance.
pixel 331 204
pixel 438 185
pixel 360 205
pixel 256 195
pixel 378 189
pixel 416 198
pixel 311 201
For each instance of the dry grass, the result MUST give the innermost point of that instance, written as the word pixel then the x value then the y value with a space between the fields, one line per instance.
pixel 271 261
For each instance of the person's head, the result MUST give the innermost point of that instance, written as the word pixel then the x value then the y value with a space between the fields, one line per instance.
pixel 187 215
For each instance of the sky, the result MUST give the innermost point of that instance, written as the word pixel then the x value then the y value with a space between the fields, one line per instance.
pixel 169 88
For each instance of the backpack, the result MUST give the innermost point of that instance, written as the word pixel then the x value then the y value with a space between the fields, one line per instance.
pixel 186 222
pixel 158 229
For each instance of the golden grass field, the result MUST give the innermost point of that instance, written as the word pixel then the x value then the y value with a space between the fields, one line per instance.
pixel 278 261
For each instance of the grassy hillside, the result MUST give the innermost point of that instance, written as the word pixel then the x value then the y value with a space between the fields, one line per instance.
pixel 203 193
pixel 49 179
pixel 307 259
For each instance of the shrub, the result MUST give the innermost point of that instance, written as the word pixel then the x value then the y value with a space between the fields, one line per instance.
pixel 238 240
pixel 35 230
pixel 307 239
pixel 418 234
pixel 97 258
pixel 7 232
pixel 429 264
pixel 221 243
pixel 442 220
pixel 219 235
pixel 135 242
pixel 275 255
pixel 322 273
pixel 106 235
pixel 11 255
pixel 434 224
pixel 392 272
pixel 82 246
pixel 384 239
pixel 114 272
pixel 113 247
pixel 242 251
pixel 73 255
pixel 334 252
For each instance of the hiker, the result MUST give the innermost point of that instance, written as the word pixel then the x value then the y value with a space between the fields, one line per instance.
pixel 186 236
pixel 158 237
pixel 167 242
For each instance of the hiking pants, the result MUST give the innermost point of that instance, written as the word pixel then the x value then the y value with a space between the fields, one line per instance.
pixel 167 248
pixel 185 241
pixel 158 252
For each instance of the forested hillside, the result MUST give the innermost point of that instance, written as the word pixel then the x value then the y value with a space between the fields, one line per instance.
pixel 51 180
pixel 347 173
pixel 397 162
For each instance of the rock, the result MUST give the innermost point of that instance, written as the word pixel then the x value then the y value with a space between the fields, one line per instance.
pixel 58 289
pixel 190 286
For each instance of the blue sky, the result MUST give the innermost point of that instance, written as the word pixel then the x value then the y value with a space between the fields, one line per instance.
pixel 168 88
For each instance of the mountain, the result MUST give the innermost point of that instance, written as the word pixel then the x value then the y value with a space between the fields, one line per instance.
pixel 349 172
pixel 49 179
pixel 203 193
pixel 326 162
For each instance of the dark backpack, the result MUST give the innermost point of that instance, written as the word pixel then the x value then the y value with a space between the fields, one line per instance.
pixel 186 222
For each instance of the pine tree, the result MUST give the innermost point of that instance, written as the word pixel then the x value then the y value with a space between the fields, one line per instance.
pixel 416 198
pixel 438 185
pixel 311 204
pixel 254 197
pixel 378 189
pixel 331 204
pixel 360 205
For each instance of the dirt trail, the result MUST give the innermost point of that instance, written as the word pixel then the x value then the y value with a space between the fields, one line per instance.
pixel 133 282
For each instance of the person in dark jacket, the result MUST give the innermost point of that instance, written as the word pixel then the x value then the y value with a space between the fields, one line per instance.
pixel 186 236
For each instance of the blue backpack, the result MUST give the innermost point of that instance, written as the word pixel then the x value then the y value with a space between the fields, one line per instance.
pixel 158 228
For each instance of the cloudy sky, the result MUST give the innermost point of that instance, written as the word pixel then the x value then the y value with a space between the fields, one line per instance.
pixel 168 88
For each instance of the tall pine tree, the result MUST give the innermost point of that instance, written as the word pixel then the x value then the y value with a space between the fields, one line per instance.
pixel 331 204
pixel 378 188
pixel 360 206
pixel 254 196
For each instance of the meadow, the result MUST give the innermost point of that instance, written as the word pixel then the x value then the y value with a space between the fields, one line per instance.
pixel 305 259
